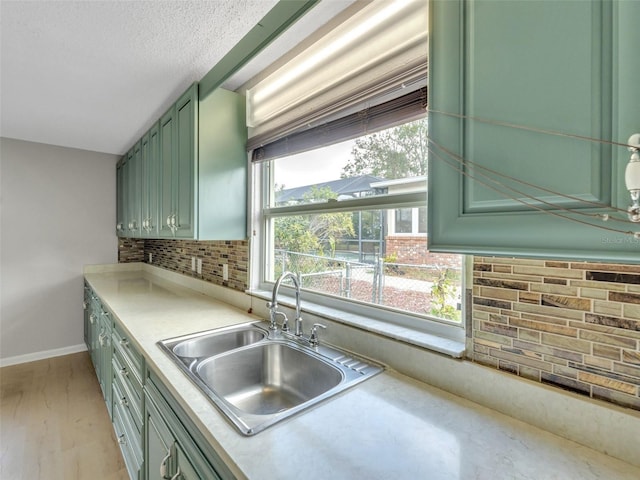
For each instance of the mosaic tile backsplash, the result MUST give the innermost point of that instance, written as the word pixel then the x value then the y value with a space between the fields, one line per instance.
pixel 572 325
pixel 175 255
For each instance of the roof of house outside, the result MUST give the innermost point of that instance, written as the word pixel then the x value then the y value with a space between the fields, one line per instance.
pixel 343 186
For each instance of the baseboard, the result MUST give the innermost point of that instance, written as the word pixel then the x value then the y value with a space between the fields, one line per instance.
pixel 32 357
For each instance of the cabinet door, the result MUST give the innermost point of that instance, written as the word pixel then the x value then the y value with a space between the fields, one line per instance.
pixel 158 442
pixel 167 127
pixel 94 329
pixel 222 167
pixel 106 372
pixel 120 203
pixel 175 438
pixel 152 177
pixel 134 191
pixel 513 87
pixel 184 469
pixel 144 185
pixel 150 161
pixel 184 167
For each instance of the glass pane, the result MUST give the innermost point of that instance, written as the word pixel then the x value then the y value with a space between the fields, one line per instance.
pixel 355 256
pixel 422 220
pixel 403 220
pixel 385 162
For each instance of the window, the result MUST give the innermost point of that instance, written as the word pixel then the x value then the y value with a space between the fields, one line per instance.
pixel 351 219
pixel 339 151
pixel 404 223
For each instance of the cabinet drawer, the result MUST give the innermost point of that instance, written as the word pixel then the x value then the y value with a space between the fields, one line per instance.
pixel 129 444
pixel 132 387
pixel 128 351
pixel 128 404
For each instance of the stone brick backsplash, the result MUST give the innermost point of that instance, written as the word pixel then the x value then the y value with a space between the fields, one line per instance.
pixel 130 250
pixel 175 255
pixel 574 325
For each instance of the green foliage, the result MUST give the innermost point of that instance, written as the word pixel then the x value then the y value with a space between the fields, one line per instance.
pixel 398 152
pixel 442 292
pixel 316 233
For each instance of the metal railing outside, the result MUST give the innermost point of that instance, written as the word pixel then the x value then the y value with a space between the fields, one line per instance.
pixel 407 287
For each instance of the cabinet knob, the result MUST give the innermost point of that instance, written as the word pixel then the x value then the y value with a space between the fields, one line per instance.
pixel 124 372
pixel 124 402
pixel 122 439
pixel 124 342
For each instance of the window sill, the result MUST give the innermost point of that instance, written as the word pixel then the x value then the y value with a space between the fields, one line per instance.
pixel 453 347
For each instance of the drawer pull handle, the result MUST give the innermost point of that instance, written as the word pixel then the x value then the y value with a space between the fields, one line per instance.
pixel 122 440
pixel 124 402
pixel 124 372
pixel 163 465
pixel 177 475
pixel 124 342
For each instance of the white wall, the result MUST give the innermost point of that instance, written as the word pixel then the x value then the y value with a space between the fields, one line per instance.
pixel 57 214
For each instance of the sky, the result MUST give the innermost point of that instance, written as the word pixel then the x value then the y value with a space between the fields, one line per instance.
pixel 321 165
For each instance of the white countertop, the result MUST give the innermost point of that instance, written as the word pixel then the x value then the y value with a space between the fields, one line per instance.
pixel 389 426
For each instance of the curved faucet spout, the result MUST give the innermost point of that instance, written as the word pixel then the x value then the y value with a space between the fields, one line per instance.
pixel 273 305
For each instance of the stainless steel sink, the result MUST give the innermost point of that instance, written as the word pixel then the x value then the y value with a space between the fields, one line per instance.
pixel 258 378
pixel 268 378
pixel 215 342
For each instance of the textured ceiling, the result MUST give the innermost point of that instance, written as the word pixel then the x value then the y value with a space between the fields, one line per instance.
pixel 96 74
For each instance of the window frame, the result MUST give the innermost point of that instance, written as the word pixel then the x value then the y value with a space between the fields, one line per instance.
pixel 403 326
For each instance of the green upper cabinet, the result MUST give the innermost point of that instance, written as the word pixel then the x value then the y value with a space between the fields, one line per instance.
pixel 184 168
pixel 187 177
pixel 165 201
pixel 133 189
pixel 149 182
pixel 222 167
pixel 120 201
pixel 178 138
pixel 516 90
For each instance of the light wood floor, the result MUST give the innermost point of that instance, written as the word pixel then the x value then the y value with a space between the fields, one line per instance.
pixel 54 423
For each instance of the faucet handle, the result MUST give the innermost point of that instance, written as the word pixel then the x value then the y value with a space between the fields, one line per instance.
pixel 285 322
pixel 314 340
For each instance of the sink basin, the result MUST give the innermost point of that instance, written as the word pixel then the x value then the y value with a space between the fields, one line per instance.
pixel 257 377
pixel 215 343
pixel 189 348
pixel 268 378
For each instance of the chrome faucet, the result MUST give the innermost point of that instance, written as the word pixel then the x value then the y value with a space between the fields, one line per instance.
pixel 273 304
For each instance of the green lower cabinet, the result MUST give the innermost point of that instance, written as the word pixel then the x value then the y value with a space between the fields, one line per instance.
pixel 174 448
pixel 165 458
pixel 86 307
pixel 128 440
pixel 105 376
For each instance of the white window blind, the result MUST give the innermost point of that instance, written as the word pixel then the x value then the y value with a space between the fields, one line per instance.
pixel 373 56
